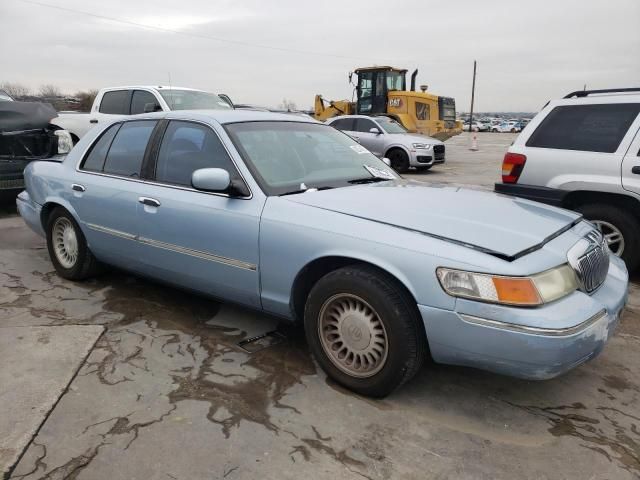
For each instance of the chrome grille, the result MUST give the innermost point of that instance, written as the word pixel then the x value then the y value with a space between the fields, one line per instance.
pixel 593 265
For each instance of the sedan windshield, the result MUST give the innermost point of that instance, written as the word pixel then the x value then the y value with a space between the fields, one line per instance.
pixel 193 100
pixel 390 126
pixel 288 157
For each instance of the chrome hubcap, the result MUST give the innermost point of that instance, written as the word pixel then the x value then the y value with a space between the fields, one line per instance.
pixel 65 242
pixel 352 335
pixel 612 235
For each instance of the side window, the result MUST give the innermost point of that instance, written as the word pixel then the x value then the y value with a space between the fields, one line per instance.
pixel 422 111
pixel 144 102
pixel 344 124
pixel 127 149
pixel 364 125
pixel 187 147
pixel 94 161
pixel 590 128
pixel 116 102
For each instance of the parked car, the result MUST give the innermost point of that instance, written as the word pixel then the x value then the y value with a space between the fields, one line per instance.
pixel 115 102
pixel 386 138
pixel 506 127
pixel 477 127
pixel 583 153
pixel 26 134
pixel 292 217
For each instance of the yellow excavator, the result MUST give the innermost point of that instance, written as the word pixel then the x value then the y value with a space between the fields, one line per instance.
pixel 383 91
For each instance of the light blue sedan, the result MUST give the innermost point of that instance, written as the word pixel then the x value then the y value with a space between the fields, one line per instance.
pixel 292 217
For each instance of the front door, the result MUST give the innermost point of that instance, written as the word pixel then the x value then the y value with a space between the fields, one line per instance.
pixel 204 241
pixel 374 142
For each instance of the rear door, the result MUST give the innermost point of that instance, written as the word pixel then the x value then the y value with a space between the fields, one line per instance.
pixel 113 104
pixel 631 162
pixel 205 241
pixel 106 189
pixel 579 146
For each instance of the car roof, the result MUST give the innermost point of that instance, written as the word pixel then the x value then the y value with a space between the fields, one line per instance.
pixel 599 98
pixel 229 116
pixel 153 87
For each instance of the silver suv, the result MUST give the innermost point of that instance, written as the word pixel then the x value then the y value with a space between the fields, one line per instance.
pixel 583 153
pixel 384 137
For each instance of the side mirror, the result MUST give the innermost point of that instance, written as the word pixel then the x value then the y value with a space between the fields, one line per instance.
pixel 375 130
pixel 386 161
pixel 152 107
pixel 211 180
pixel 218 180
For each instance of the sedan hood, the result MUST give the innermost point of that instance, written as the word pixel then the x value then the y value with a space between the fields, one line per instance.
pixel 503 226
pixel 16 116
pixel 415 138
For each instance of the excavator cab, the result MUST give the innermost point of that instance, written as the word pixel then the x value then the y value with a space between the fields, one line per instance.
pixel 374 83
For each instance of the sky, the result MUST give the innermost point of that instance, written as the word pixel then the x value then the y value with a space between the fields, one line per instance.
pixel 528 51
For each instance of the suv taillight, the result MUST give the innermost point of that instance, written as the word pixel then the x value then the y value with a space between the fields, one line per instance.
pixel 512 166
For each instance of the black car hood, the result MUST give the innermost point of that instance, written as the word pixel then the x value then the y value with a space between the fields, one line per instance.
pixel 16 116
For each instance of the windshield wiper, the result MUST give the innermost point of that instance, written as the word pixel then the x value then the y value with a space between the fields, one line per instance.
pixel 303 190
pixel 369 180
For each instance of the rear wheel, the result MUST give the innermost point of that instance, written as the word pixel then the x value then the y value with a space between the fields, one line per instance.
pixel 620 228
pixel 364 330
pixel 68 248
pixel 399 160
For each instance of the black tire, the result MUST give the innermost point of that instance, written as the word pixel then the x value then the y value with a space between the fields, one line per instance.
pixel 624 221
pixel 85 264
pixel 494 130
pixel 396 309
pixel 399 160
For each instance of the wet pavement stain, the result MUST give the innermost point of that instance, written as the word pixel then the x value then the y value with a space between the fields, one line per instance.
pixel 607 435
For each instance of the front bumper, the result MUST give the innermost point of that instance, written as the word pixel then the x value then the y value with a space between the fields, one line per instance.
pixel 30 212
pixel 535 344
pixel 550 196
pixel 425 158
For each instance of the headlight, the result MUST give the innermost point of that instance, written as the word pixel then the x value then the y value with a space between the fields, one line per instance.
pixel 65 142
pixel 422 146
pixel 522 291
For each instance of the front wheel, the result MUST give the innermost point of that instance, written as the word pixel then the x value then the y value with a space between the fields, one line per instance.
pixel 364 330
pixel 68 248
pixel 399 160
pixel 620 228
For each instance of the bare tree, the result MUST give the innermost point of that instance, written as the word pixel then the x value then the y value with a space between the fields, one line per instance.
pixel 288 105
pixel 49 91
pixel 16 90
pixel 86 99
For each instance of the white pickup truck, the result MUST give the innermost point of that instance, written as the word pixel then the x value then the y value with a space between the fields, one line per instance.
pixel 119 101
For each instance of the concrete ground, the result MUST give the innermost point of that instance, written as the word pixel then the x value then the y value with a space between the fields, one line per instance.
pixel 167 393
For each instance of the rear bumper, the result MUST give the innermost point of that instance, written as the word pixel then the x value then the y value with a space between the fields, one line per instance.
pixel 550 196
pixel 533 344
pixel 30 212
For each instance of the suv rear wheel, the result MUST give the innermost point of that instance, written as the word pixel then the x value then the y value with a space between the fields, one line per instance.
pixel 620 228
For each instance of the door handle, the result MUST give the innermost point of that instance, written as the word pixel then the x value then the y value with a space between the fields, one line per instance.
pixel 93 120
pixel 77 187
pixel 152 202
pixel 636 170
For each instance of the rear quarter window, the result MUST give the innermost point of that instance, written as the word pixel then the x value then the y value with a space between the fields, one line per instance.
pixel 128 147
pixel 115 102
pixel 590 128
pixel 94 161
